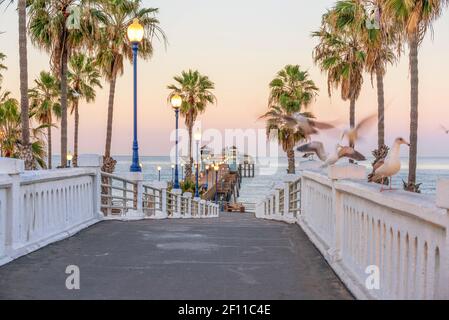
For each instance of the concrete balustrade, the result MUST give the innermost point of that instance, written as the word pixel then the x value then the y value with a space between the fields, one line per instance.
pixel 41 207
pixel 398 238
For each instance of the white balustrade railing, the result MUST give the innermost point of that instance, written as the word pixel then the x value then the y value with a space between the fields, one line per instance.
pixel 41 207
pixel 391 245
pixel 38 208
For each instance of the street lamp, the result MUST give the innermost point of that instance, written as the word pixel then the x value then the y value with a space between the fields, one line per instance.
pixel 135 36
pixel 159 172
pixel 216 168
pixel 197 138
pixel 207 177
pixel 69 158
pixel 172 169
pixel 176 102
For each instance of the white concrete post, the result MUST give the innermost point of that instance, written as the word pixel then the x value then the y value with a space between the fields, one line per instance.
pixel 177 212
pixel 202 208
pixel 93 161
pixel 335 247
pixel 442 201
pixel 13 168
pixel 286 187
pixel 188 213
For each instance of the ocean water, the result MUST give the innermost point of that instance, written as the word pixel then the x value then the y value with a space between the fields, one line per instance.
pixel 430 169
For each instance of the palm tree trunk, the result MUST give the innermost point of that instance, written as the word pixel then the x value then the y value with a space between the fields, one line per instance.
pixel 23 71
pixel 291 161
pixel 107 151
pixel 64 108
pixel 49 141
pixel 380 108
pixel 75 136
pixel 352 120
pixel 414 80
pixel 190 165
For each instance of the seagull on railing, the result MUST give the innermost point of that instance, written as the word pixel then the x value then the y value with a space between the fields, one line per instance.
pixel 390 166
pixel 329 159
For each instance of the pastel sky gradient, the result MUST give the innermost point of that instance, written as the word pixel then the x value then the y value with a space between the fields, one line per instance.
pixel 241 45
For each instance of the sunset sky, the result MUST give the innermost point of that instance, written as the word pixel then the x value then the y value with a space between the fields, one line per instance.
pixel 241 45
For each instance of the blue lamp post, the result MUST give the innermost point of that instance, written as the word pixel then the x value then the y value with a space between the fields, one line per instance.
pixel 207 177
pixel 135 36
pixel 216 168
pixel 176 102
pixel 197 137
pixel 159 173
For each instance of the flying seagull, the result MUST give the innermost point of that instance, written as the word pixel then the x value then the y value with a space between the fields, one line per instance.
pixel 305 125
pixel 353 134
pixel 340 152
pixel 390 166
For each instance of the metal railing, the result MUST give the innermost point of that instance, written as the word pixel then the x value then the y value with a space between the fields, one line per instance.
pixel 118 195
pixel 152 200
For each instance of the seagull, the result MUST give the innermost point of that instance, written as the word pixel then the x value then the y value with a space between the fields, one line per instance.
pixel 305 125
pixel 353 134
pixel 340 152
pixel 446 130
pixel 390 166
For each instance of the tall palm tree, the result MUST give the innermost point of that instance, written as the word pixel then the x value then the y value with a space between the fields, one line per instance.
pixel 26 148
pixel 50 29
pixel 196 91
pixel 341 55
pixel 45 106
pixel 84 76
pixel 114 48
pixel 290 92
pixel 378 43
pixel 414 17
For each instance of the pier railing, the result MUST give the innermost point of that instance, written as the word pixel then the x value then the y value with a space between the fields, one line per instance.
pixel 41 207
pixel 392 245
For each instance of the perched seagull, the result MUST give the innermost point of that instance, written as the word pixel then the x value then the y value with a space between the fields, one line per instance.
pixel 391 165
pixel 340 152
pixel 306 125
pixel 446 130
pixel 353 134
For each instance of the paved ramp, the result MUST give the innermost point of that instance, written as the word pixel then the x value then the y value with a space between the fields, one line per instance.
pixel 233 257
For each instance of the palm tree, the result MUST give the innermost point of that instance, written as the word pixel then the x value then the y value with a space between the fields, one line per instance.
pixel 196 91
pixel 45 105
pixel 25 152
pixel 84 76
pixel 290 92
pixel 2 66
pixel 50 29
pixel 378 44
pixel 340 54
pixel 114 48
pixel 11 129
pixel 414 18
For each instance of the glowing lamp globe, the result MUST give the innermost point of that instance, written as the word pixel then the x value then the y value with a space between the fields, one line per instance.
pixel 197 135
pixel 176 101
pixel 135 31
